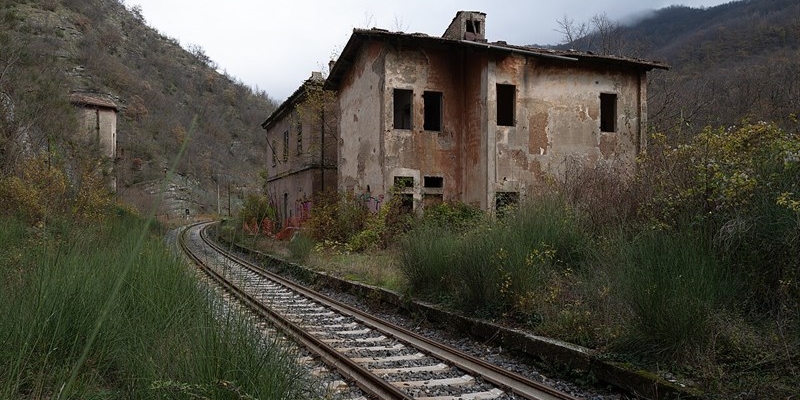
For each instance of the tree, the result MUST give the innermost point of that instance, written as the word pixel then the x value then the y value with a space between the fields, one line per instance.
pixel 571 30
pixel 600 34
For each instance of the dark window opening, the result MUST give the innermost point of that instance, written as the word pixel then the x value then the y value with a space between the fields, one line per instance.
pixel 406 203
pixel 433 182
pixel 402 108
pixel 403 182
pixel 506 103
pixel 505 200
pixel 474 27
pixel 608 112
pixel 433 111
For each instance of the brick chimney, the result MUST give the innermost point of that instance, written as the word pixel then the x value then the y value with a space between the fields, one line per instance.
pixel 467 25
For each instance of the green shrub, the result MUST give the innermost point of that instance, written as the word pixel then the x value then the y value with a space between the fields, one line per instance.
pixel 452 215
pixel 336 217
pixel 736 187
pixel 256 208
pixel 367 239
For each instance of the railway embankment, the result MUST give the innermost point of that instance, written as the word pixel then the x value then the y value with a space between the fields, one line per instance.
pixel 558 354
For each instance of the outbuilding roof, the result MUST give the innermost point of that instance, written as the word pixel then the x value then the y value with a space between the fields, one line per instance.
pixel 92 100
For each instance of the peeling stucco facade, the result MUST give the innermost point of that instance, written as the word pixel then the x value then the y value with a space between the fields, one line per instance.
pixel 484 118
pixel 302 144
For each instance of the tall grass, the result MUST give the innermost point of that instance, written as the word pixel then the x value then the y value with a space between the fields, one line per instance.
pixel 160 337
pixel 672 284
pixel 427 257
pixel 492 268
pixel 300 247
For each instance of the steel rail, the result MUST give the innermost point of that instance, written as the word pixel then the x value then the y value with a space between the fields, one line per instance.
pixel 364 379
pixel 504 379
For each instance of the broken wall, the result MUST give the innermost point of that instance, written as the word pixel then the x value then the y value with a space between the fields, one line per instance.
pixel 557 120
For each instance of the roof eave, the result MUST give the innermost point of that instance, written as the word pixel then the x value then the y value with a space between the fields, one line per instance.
pixel 284 108
pixel 359 36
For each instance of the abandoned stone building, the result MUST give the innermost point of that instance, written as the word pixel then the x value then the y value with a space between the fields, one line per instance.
pixel 97 122
pixel 459 118
pixel 302 144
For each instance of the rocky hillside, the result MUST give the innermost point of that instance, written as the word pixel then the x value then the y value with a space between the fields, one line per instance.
pixel 177 113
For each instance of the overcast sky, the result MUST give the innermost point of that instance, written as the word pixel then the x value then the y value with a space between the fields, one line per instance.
pixel 274 45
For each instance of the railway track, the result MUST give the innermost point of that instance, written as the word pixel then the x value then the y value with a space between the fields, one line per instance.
pixel 384 360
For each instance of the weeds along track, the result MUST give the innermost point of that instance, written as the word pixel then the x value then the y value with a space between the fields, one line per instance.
pixel 384 360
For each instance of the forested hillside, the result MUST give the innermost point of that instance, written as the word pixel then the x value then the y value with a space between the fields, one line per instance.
pixel 167 96
pixel 735 61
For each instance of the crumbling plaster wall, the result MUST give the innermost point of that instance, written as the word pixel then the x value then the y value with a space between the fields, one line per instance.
pixel 456 152
pixel 292 192
pixel 557 120
pixel 361 151
pixel 290 182
pixel 475 142
pixel 417 152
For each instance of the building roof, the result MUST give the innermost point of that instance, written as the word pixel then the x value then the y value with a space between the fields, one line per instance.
pixel 361 36
pixel 315 82
pixel 92 100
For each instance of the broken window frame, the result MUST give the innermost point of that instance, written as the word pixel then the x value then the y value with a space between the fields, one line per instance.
pixel 274 153
pixel 403 182
pixel 506 103
pixel 286 145
pixel 433 108
pixel 402 108
pixel 298 128
pixel 473 26
pixel 608 112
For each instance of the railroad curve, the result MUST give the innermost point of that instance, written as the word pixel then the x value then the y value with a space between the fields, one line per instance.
pixel 385 360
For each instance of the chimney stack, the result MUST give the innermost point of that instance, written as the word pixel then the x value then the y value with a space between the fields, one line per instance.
pixel 467 25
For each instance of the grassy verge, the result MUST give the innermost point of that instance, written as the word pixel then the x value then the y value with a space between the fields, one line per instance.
pixel 666 299
pixel 663 299
pixel 159 339
pixel 376 268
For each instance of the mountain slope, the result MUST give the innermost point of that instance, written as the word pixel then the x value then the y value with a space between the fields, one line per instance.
pixel 730 62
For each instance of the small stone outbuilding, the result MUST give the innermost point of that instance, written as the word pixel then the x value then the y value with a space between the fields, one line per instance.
pixel 97 119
